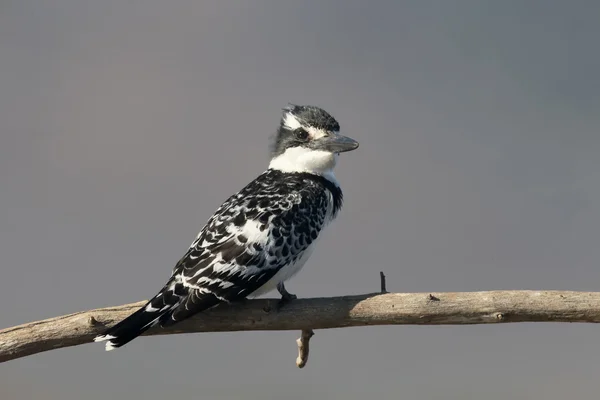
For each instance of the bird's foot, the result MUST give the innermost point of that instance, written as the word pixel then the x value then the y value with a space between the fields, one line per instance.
pixel 286 296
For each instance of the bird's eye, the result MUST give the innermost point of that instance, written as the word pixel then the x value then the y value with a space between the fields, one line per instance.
pixel 301 134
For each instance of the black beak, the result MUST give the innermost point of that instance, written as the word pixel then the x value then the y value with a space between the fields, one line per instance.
pixel 336 143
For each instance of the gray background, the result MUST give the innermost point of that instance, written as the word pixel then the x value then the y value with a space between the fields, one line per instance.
pixel 125 124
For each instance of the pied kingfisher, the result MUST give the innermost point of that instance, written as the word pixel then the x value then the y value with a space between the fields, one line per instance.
pixel 260 236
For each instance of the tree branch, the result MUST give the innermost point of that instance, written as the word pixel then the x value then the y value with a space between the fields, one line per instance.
pixel 319 313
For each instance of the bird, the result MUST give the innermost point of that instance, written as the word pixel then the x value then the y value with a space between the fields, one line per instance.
pixel 259 237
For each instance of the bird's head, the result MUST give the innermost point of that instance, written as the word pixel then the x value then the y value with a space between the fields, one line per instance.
pixel 308 140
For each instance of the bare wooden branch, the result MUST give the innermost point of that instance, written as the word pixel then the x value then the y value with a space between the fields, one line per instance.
pixel 319 313
pixel 303 347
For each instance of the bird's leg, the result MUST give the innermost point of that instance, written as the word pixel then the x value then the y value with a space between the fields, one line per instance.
pixel 286 296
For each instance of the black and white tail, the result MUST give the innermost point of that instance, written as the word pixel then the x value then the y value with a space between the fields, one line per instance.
pixel 159 308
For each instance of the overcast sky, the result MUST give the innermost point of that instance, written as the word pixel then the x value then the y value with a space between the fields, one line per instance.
pixel 124 125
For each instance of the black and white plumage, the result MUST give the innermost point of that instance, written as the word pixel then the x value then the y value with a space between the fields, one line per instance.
pixel 259 237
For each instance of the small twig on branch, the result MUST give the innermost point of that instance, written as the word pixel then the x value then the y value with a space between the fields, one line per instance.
pixel 303 347
pixel 382 279
pixel 318 313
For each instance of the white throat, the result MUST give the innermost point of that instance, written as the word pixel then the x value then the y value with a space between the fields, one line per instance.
pixel 301 159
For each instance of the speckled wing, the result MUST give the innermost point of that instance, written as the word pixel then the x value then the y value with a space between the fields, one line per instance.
pixel 250 238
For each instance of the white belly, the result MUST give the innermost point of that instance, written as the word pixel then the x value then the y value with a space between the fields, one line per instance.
pixel 285 273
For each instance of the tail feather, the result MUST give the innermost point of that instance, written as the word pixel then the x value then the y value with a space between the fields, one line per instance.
pixel 128 329
pixel 159 307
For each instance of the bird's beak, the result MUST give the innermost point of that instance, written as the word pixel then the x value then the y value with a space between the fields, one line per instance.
pixel 336 143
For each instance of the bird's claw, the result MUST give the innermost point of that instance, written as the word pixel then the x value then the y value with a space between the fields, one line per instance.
pixel 286 296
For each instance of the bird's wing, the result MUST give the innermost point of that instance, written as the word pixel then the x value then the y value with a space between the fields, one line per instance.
pixel 244 244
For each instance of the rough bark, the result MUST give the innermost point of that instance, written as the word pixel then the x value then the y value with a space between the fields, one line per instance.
pixel 319 313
